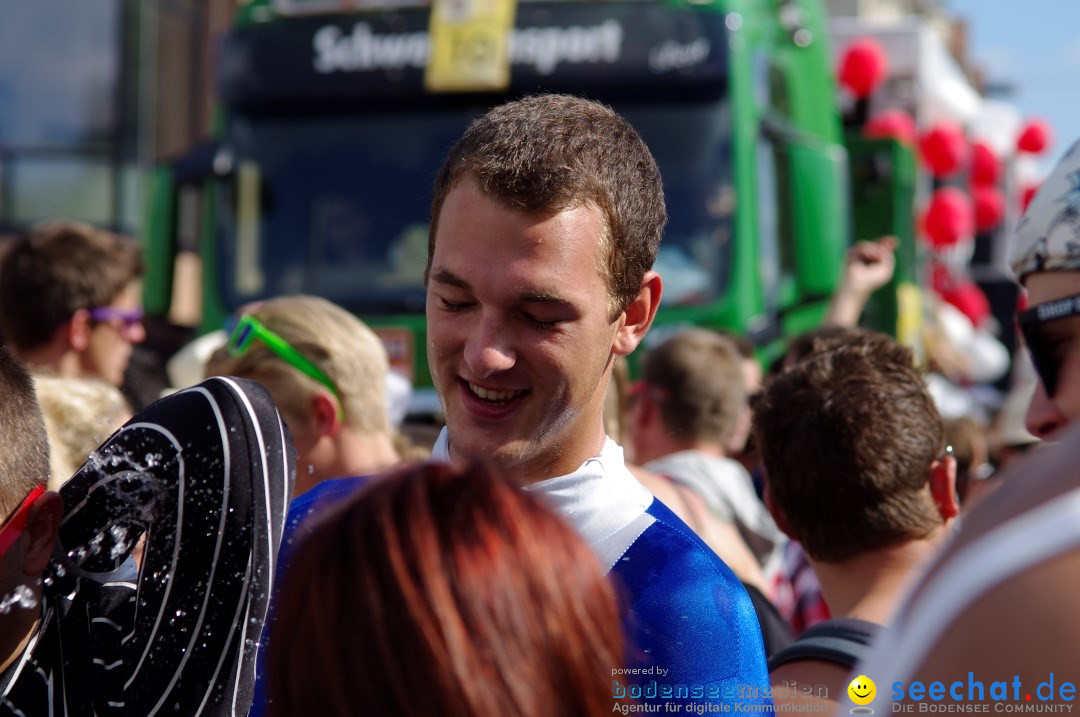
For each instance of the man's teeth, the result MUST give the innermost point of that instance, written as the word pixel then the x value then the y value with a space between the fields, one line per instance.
pixel 494 396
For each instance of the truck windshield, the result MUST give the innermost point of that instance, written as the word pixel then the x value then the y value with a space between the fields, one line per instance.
pixel 342 203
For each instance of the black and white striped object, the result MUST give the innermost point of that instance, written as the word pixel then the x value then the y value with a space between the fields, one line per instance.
pixel 206 475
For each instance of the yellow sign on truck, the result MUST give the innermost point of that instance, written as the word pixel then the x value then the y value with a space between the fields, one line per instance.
pixel 469 45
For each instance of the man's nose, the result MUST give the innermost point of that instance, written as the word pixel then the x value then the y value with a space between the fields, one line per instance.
pixel 1044 419
pixel 488 349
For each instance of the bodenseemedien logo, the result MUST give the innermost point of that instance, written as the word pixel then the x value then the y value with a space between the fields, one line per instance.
pixel 862 692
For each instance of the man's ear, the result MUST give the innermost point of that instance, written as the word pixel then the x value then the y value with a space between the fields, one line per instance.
pixel 639 316
pixel 324 414
pixel 943 487
pixel 42 529
pixel 77 330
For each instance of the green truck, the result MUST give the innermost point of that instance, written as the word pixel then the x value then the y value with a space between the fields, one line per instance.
pixel 318 180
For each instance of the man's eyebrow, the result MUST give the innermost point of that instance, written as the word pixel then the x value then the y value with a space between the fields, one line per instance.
pixel 445 276
pixel 542 297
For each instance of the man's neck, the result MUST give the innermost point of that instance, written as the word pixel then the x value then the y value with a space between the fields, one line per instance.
pixel 553 463
pixel 870 585
pixel 367 453
pixel 358 454
pixel 52 360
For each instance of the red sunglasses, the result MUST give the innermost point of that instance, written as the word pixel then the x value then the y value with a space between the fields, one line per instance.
pixel 14 525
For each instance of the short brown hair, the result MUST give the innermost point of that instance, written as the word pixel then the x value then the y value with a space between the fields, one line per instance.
pixel 823 338
pixel 549 153
pixel 435 591
pixel 702 392
pixel 56 269
pixel 847 436
pixel 24 444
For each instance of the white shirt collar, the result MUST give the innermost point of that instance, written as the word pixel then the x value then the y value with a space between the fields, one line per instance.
pixel 602 499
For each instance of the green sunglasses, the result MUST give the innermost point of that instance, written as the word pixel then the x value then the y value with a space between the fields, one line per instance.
pixel 248 328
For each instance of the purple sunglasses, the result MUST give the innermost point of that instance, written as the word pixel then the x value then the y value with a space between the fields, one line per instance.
pixel 129 317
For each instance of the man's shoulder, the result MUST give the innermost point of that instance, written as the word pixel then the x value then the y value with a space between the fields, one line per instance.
pixel 671 543
pixel 720 480
pixel 310 503
pixel 668 569
pixel 687 611
pixel 692 460
pixel 325 493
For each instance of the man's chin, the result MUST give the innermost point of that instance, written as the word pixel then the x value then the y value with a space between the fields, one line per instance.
pixel 505 455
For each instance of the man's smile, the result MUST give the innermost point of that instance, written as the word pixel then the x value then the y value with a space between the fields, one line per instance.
pixel 494 395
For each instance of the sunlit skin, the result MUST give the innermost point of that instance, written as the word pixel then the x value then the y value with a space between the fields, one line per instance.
pixel 1047 417
pixel 517 303
pixel 109 345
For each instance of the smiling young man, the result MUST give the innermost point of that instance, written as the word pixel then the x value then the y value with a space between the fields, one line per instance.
pixel 70 301
pixel 546 219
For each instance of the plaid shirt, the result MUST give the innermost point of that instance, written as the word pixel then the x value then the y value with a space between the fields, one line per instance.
pixel 796 590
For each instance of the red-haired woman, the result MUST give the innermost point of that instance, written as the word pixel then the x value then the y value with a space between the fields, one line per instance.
pixel 435 591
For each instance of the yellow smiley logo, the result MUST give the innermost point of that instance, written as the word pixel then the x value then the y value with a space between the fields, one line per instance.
pixel 862 690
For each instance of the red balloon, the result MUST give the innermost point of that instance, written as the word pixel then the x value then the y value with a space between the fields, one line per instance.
pixel 944 149
pixel 949 217
pixel 863 67
pixel 989 207
pixel 970 299
pixel 1034 136
pixel 893 123
pixel 985 165
pixel 1026 195
pixel 941 278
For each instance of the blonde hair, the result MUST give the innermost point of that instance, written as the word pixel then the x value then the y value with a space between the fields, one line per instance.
pixel 80 413
pixel 342 346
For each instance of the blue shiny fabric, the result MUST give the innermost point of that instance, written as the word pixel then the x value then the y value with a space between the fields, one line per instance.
pixel 689 615
pixel 319 498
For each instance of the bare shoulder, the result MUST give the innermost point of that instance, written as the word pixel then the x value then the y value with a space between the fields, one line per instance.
pixel 1027 626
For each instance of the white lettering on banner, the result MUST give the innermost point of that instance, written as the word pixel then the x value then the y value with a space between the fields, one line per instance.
pixel 542 47
pixel 545 47
pixel 364 50
pixel 674 55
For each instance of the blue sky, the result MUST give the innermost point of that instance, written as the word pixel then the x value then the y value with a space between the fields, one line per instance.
pixel 1034 45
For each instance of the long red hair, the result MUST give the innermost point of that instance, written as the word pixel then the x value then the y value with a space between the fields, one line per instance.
pixel 436 591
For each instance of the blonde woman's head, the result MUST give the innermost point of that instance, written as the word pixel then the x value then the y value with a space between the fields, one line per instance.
pixel 80 414
pixel 339 344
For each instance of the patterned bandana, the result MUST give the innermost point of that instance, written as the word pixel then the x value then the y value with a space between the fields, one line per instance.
pixel 1048 235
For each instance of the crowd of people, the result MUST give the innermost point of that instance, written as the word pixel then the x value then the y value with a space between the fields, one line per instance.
pixel 702 538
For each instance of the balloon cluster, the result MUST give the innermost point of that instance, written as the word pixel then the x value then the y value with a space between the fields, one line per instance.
pixel 968 198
